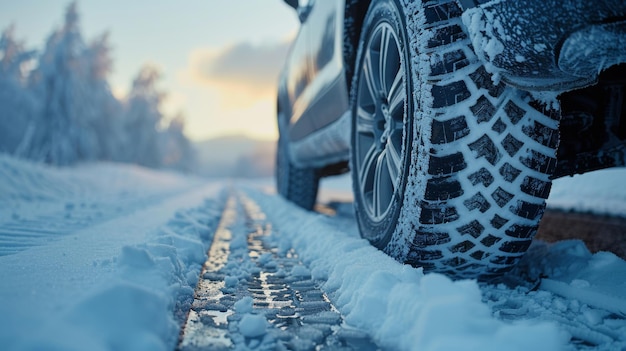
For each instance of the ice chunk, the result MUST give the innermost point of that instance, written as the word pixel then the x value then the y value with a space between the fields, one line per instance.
pixel 244 305
pixel 231 281
pixel 579 283
pixel 252 325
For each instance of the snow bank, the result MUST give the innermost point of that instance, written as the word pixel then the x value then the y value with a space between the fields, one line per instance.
pixel 601 192
pixel 570 270
pixel 398 305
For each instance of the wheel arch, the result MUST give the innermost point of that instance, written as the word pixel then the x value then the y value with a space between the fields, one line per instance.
pixel 282 106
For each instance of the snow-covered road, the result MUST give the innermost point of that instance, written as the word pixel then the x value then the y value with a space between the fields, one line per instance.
pixel 254 295
pixel 99 257
pixel 107 257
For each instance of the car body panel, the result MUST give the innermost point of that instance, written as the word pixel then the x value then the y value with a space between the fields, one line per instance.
pixel 313 85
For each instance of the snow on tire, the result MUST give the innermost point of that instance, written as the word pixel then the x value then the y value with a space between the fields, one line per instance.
pixel 477 155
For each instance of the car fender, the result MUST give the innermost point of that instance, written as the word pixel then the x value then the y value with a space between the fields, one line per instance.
pixel 523 46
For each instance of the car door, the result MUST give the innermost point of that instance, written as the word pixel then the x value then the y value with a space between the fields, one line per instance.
pixel 329 98
pixel 314 68
pixel 298 76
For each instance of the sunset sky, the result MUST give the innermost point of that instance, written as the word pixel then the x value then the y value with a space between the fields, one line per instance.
pixel 220 58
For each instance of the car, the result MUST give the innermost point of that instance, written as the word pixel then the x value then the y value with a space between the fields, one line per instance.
pixel 452 117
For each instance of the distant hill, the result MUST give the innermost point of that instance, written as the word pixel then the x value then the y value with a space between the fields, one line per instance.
pixel 235 156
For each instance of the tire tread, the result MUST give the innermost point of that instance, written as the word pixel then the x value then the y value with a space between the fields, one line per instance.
pixel 488 169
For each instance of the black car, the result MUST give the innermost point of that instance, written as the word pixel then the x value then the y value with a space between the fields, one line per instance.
pixel 453 117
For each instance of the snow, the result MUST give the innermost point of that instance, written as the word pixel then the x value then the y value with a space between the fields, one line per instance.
pixel 252 325
pixel 104 256
pixel 244 305
pixel 118 270
pixel 400 306
pixel 300 271
pixel 484 32
pixel 572 271
pixel 601 192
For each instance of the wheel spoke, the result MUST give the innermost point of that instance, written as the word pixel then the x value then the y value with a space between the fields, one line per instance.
pixel 397 96
pixel 370 77
pixel 385 41
pixel 376 191
pixel 367 169
pixel 394 162
pixel 383 189
pixel 365 121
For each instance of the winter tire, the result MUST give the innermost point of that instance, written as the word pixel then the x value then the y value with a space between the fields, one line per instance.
pixel 298 185
pixel 450 170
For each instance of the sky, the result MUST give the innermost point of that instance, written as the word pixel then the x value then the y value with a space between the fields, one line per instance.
pixel 220 59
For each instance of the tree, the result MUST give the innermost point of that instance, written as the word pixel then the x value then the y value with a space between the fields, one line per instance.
pixel 65 126
pixel 17 104
pixel 142 119
pixel 178 153
pixel 63 111
pixel 107 110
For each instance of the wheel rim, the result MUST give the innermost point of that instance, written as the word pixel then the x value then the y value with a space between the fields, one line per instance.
pixel 380 126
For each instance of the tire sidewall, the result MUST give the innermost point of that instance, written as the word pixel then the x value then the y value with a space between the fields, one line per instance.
pixel 298 185
pixel 282 161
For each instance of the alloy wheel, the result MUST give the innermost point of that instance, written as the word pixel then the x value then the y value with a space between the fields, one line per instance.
pixel 379 122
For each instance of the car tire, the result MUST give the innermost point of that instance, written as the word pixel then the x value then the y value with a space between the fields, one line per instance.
pixel 298 185
pixel 452 173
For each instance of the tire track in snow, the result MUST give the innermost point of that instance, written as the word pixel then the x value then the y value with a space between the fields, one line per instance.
pixel 580 308
pixel 250 295
pixel 19 234
pixel 262 296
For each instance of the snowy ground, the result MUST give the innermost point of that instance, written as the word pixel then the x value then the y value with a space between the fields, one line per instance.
pixel 602 192
pixel 98 257
pixel 105 257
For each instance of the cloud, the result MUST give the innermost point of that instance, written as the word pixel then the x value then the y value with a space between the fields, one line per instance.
pixel 256 66
pixel 243 73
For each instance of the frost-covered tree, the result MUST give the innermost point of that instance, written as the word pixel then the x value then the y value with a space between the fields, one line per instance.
pixel 107 110
pixel 17 104
pixel 148 142
pixel 63 110
pixel 178 152
pixel 65 127
pixel 142 119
